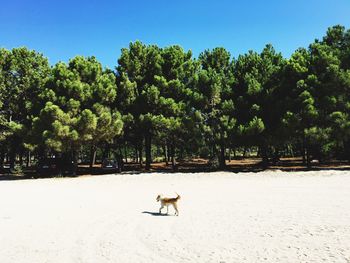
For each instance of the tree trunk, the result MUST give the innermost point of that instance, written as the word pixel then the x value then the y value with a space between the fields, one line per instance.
pixel 125 154
pixel 308 161
pixel 169 153
pixel 148 149
pixel 222 162
pixel 2 156
pixel 140 155
pixel 181 154
pixel 264 156
pixel 105 153
pixel 136 155
pixel 173 161
pixel 75 159
pixel 92 156
pixel 213 151
pixel 157 152
pixel 275 157
pixel 244 151
pixel 290 150
pixel 12 159
pixel 347 150
pixel 28 164
pixel 21 158
pixel 303 149
pixel 120 160
pixel 165 151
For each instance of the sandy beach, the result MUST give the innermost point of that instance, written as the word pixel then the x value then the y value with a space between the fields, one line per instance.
pixel 224 217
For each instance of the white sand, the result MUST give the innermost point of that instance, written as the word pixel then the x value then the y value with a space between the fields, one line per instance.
pixel 224 217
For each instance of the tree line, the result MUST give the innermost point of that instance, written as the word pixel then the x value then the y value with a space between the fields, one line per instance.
pixel 163 102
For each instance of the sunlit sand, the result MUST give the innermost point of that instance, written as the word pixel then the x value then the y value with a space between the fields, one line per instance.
pixel 224 217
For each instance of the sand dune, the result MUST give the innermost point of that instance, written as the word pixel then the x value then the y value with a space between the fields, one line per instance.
pixel 224 217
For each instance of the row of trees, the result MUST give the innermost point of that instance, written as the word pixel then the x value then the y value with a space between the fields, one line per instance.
pixel 163 101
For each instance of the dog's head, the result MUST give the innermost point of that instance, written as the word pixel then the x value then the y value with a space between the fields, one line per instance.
pixel 158 198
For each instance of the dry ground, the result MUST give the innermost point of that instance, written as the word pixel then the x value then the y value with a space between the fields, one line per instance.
pixel 224 217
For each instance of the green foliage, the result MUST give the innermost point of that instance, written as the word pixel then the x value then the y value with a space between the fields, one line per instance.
pixel 81 109
pixel 166 98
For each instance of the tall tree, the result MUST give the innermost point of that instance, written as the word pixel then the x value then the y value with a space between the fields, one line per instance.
pixel 257 97
pixel 23 75
pixel 78 107
pixel 140 64
pixel 215 83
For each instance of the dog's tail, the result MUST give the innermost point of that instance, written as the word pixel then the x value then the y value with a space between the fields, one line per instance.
pixel 178 196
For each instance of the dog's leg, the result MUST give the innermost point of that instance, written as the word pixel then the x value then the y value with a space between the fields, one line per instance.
pixel 176 211
pixel 160 209
pixel 167 209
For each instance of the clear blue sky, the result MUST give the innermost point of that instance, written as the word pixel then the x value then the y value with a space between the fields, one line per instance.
pixel 63 29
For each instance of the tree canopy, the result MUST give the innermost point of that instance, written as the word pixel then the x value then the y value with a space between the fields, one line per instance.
pixel 161 102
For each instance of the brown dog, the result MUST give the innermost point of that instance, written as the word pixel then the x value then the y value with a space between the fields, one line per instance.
pixel 166 201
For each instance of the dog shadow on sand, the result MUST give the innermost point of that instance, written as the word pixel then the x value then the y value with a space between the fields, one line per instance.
pixel 155 213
